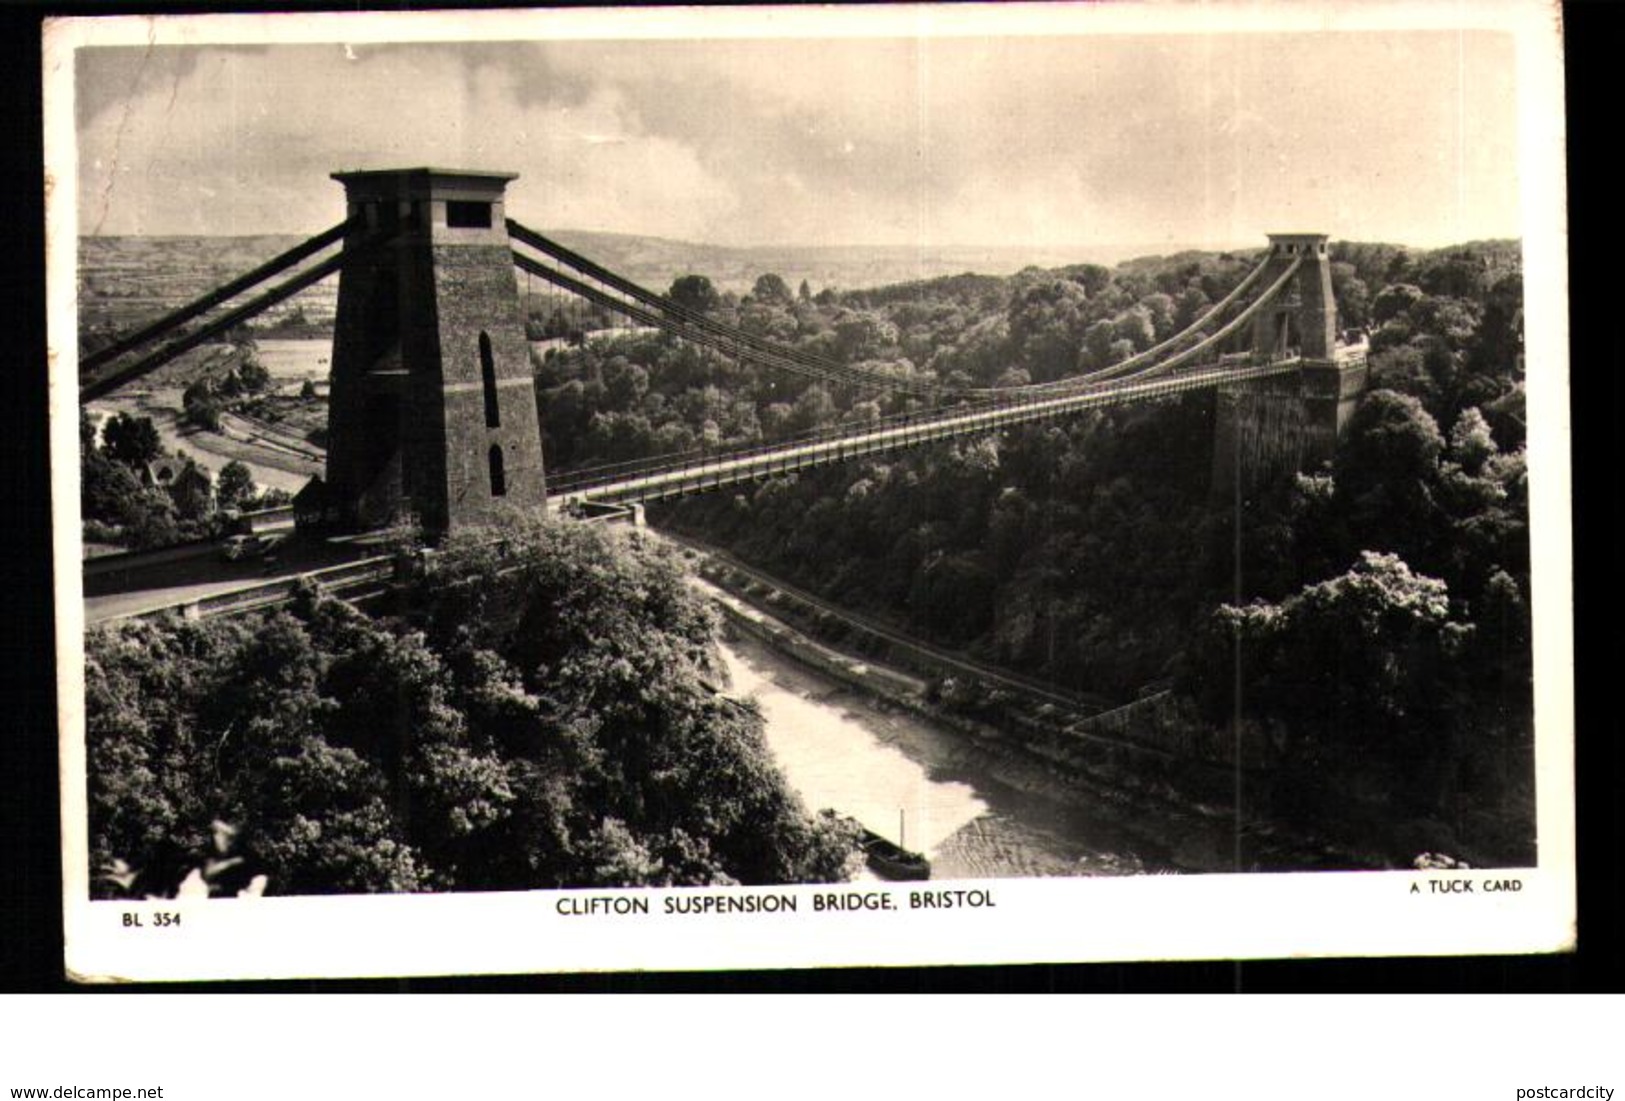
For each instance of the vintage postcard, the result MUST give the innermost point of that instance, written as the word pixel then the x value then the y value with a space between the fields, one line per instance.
pixel 806 487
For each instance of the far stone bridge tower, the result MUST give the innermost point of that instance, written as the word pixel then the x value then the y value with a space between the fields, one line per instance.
pixel 433 410
pixel 1292 421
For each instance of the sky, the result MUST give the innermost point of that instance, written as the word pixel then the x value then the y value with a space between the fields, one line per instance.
pixel 1106 139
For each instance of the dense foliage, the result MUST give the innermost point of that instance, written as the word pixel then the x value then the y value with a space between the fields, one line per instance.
pixel 616 399
pixel 119 501
pixel 123 503
pixel 1092 552
pixel 541 715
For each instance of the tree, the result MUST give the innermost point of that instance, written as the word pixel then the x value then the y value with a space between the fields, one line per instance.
pixel 813 409
pixel 1394 301
pixel 193 492
pixel 107 490
pixel 252 375
pixel 775 420
pixel 202 405
pixel 1391 441
pixel 1135 326
pixel 805 293
pixel 87 434
pixel 1458 274
pixel 694 292
pixel 1097 345
pixel 864 334
pixel 1390 709
pixel 241 337
pixel 771 288
pixel 625 383
pixel 1192 305
pixel 1161 310
pixel 131 440
pixel 1046 324
pixel 1386 476
pixel 307 392
pixel 149 520
pixel 1352 295
pixel 1093 278
pixel 1453 319
pixel 953 597
pixel 235 487
pixel 1500 331
pixel 1403 369
pixel 1471 442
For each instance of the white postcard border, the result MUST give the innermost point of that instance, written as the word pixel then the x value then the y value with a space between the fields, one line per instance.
pixel 1032 920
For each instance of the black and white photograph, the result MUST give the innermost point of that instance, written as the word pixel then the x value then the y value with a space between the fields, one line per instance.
pixel 699 488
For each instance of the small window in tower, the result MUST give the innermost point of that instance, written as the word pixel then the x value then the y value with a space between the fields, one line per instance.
pixel 463 215
pixel 499 479
pixel 488 374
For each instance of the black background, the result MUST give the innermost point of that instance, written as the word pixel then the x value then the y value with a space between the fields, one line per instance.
pixel 30 863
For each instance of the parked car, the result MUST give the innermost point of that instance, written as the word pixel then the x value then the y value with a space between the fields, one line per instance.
pixel 240 546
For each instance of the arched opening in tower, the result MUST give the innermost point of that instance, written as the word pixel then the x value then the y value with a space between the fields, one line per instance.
pixel 499 478
pixel 488 374
pixel 1285 342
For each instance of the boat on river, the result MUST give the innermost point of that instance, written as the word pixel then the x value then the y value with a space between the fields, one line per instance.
pixel 889 860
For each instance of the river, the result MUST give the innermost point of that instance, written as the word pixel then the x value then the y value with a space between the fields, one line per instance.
pixel 887 767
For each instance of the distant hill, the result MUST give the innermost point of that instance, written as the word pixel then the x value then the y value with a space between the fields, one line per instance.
pixel 124 281
pixel 655 261
pixel 124 278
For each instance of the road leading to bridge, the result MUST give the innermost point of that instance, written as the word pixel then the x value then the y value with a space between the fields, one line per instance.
pixel 166 582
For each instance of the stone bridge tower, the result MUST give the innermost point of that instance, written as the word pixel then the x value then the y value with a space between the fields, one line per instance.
pixel 1303 320
pixel 1290 421
pixel 432 413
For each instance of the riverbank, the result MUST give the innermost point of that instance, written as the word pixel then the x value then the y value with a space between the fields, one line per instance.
pixel 1139 797
pixel 915 780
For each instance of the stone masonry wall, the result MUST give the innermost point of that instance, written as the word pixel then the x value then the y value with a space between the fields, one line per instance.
pixel 476 292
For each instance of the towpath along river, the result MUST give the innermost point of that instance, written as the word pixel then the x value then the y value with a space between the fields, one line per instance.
pixel 884 766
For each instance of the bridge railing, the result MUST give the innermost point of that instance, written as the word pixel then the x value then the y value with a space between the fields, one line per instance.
pixel 605 473
pixel 333 580
pixel 847 440
pixel 588 478
pixel 723 468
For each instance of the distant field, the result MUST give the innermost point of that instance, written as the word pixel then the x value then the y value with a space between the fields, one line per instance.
pixel 126 281
pixel 296 359
pixel 123 280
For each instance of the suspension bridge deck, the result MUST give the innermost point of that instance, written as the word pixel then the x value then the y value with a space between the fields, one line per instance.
pixel 727 468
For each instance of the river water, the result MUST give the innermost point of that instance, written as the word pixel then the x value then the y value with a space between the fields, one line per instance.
pixel 891 769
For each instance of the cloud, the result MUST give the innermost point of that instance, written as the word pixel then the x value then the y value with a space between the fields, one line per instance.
pixel 246 142
pixel 851 141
